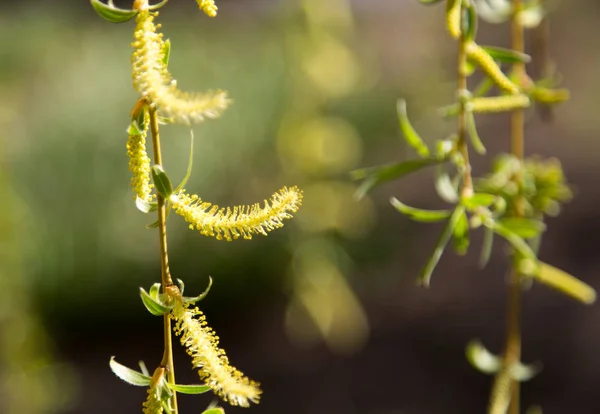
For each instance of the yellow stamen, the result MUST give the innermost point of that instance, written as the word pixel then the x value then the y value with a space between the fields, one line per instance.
pixel 231 223
pixel 152 79
pixel 201 344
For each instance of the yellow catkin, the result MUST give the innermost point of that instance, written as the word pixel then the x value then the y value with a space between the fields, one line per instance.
pixel 487 64
pixel 208 6
pixel 498 103
pixel 154 82
pixel 139 162
pixel 153 403
pixel 240 221
pixel 201 344
pixel 453 18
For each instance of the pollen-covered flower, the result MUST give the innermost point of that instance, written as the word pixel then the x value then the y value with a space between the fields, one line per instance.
pixel 152 79
pixel 208 6
pixel 139 162
pixel 152 405
pixel 155 400
pixel 240 221
pixel 201 344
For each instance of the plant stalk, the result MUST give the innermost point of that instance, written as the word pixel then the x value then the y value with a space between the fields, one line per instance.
pixel 166 280
pixel 512 353
pixel 462 89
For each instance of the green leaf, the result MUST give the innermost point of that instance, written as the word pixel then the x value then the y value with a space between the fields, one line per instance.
pixel 377 175
pixel 482 359
pixel 516 241
pixel 523 227
pixel 128 375
pixel 111 13
pixel 146 206
pixel 417 214
pixel 521 372
pixel 461 234
pixel 161 181
pixel 565 283
pixel 425 276
pixel 154 306
pixel 158 5
pixel 483 88
pixel 470 22
pixel 474 135
pixel 201 296
pixel 410 135
pixel 478 200
pixel 444 187
pixel 134 129
pixel 506 55
pixel 166 49
pixel 216 410
pixel 157 222
pixel 154 291
pixel 486 247
pixel 188 172
pixel 143 368
pixel 429 2
pixel 190 389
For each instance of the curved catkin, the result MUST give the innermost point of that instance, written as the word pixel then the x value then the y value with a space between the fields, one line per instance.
pixel 453 18
pixel 154 82
pixel 487 64
pixel 201 344
pixel 502 103
pixel 152 405
pixel 208 6
pixel 240 221
pixel 139 162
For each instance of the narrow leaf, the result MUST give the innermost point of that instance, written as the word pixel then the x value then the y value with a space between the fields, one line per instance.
pixel 188 172
pixel 417 214
pixel 565 283
pixel 154 306
pixel 461 234
pixel 470 21
pixel 158 5
pixel 516 241
pixel 444 187
pixel 486 247
pixel 201 296
pixel 521 372
pixel 410 135
pixel 166 49
pixel 474 135
pixel 145 206
pixel 377 175
pixel 482 359
pixel 429 2
pixel 506 55
pixel 479 200
pixel 190 389
pixel 161 181
pixel 111 13
pixel 143 368
pixel 523 227
pixel 128 375
pixel 216 410
pixel 425 276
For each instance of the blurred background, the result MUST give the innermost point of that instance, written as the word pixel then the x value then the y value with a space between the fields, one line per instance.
pixel 324 312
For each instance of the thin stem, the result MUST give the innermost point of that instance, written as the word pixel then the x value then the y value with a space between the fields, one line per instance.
pixel 166 280
pixel 512 353
pixel 462 89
